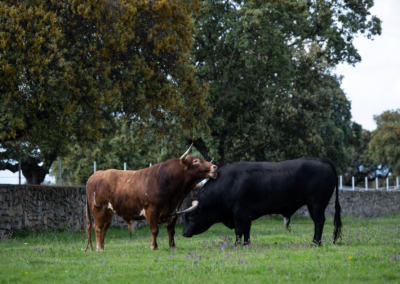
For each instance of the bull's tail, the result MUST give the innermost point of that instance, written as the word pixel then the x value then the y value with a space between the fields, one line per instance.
pixel 337 221
pixel 88 224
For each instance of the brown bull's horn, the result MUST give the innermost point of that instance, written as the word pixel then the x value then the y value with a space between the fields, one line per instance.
pixel 195 204
pixel 186 153
pixel 212 160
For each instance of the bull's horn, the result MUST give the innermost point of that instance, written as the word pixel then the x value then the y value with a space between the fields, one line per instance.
pixel 195 204
pixel 186 153
pixel 212 160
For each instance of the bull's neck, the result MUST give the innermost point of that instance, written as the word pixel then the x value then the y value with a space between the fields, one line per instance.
pixel 190 183
pixel 212 203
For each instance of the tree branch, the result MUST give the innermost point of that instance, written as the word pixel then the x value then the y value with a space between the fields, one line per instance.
pixel 8 166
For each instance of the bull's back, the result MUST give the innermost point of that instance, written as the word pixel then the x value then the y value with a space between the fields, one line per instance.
pixel 273 188
pixel 116 189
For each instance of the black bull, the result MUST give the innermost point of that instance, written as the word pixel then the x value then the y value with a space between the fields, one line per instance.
pixel 245 191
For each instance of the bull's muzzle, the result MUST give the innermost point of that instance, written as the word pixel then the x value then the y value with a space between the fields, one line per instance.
pixel 213 173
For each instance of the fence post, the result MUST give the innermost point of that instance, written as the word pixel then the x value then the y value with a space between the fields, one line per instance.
pixel 376 181
pixel 387 183
pixel 352 182
pixel 19 171
pixel 366 183
pixel 124 166
pixel 94 166
pixel 397 182
pixel 59 172
pixel 150 165
pixel 341 182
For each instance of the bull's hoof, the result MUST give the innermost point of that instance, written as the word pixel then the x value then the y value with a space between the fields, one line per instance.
pixel 172 247
pixel 153 248
pixel 238 244
pixel 316 244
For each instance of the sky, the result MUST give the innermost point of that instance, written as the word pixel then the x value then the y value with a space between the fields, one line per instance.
pixel 373 85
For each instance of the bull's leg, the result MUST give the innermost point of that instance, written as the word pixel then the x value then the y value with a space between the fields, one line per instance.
pixel 171 233
pixel 310 211
pixel 242 227
pixel 152 217
pixel 131 229
pixel 286 222
pixel 317 213
pixel 107 222
pixel 98 228
pixel 102 220
pixel 318 216
pixel 89 233
pixel 238 238
pixel 247 234
pixel 103 233
pixel 319 221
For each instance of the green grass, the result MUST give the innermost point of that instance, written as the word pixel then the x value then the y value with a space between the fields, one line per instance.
pixel 275 255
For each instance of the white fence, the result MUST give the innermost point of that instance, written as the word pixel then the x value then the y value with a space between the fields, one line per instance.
pixel 387 187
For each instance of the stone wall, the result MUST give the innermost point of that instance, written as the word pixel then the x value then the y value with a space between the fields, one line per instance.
pixel 46 207
pixel 41 207
pixel 372 203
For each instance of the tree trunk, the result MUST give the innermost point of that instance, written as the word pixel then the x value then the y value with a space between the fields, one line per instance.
pixel 201 146
pixel 221 152
pixel 34 173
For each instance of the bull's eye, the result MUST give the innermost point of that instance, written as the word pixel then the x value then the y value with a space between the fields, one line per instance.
pixel 195 161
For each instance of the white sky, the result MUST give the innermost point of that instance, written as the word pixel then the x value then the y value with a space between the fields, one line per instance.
pixel 372 86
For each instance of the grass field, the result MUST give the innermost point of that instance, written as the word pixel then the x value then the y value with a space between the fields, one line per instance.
pixel 368 252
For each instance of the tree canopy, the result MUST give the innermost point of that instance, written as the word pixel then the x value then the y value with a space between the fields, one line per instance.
pixel 75 71
pixel 269 65
pixel 68 68
pixel 385 140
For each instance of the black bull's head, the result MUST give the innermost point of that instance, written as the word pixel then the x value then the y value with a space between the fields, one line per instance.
pixel 196 220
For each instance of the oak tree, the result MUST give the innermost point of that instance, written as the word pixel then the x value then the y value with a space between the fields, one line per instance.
pixel 270 101
pixel 68 67
pixel 385 140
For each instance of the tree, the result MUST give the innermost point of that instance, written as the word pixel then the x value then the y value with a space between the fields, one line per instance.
pixel 34 165
pixel 109 152
pixel 385 140
pixel 269 103
pixel 68 67
pixel 359 160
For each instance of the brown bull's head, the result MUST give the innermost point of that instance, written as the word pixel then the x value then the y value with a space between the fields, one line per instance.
pixel 197 167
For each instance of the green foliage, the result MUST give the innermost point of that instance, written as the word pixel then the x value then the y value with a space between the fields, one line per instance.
pixel 268 66
pixel 359 162
pixel 68 67
pixel 385 140
pixel 275 255
pixel 126 145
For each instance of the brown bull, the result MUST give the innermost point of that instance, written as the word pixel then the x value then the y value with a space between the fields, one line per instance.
pixel 154 193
